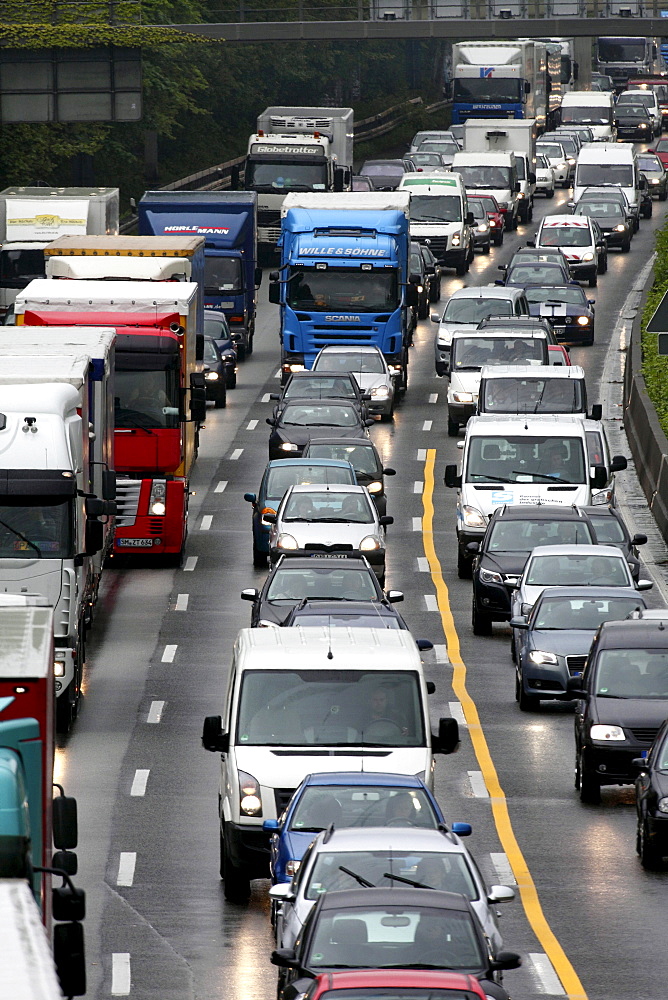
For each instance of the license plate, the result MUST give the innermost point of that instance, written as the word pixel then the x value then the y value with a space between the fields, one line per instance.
pixel 135 543
pixel 330 555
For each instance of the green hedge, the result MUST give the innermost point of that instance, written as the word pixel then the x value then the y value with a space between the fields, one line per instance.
pixel 655 368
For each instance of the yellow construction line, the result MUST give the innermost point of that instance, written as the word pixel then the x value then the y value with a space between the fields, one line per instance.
pixel 534 911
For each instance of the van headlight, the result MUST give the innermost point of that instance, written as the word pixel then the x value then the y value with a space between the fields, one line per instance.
pixel 462 397
pixel 456 240
pixel 375 487
pixel 473 518
pixel 59 665
pixel 288 542
pixel 588 256
pixel 370 544
pixel 250 798
pixel 157 501
pixel 654 180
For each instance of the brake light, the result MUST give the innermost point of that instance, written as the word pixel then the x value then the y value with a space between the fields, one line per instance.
pixel 235 319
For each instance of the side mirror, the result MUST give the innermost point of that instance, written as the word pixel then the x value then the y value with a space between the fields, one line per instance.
pixel 275 293
pixel 499 281
pixel 423 645
pixel 435 318
pixel 506 960
pixel 447 738
pixel 69 957
pixel 198 405
pixel 451 479
pixel 639 540
pixel 271 421
pixel 281 891
pixel 94 536
pixel 65 822
pixel 502 267
pixel 500 894
pixel 284 958
pixel 516 187
pixel 470 219
pixel 570 204
pixel 274 276
pixel 213 737
pixel 258 277
pixel 199 347
pixel 644 585
pixel 527 87
pixel 250 594
pixel 274 395
pixel 519 622
pixel 395 596
pixel 133 205
pixel 473 547
pixel 67 861
pixel 574 687
pixel 386 519
pixel 68 903
pixel 109 484
pixel 270 825
pixel 532 242
pixel 600 477
pixel 415 279
pixel 366 397
pixel 389 472
pixel 462 829
pixel 339 178
pixel 640 763
pixel 596 411
pixel 431 687
pixel 269 518
pixel 250 497
pixel 369 422
pixel 618 463
pixel 532 177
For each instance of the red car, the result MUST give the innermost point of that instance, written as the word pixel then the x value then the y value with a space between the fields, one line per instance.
pixel 559 354
pixel 421 983
pixel 495 216
pixel 660 147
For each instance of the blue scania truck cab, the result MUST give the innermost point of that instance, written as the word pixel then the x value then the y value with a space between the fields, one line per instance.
pixel 228 222
pixel 344 277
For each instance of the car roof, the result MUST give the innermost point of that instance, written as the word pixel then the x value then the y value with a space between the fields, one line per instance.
pixel 492 334
pixel 561 219
pixel 606 510
pixel 400 838
pixel 308 562
pixel 384 778
pixel 539 512
pixel 367 898
pixel 280 463
pixel 327 488
pixel 348 442
pixel 398 978
pixel 323 607
pixel 295 376
pixel 591 593
pixel 486 292
pixel 531 371
pixel 318 401
pixel 632 631
pixel 347 349
pixel 578 550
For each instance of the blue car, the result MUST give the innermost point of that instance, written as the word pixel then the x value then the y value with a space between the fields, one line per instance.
pixel 345 799
pixel 279 475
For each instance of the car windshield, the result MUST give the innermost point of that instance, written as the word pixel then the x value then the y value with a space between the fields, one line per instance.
pixel 446 871
pixel 473 310
pixel 422 936
pixel 343 288
pixel 474 352
pixel 346 620
pixel 313 387
pixel 525 459
pixel 570 294
pixel 362 805
pixel 280 478
pixel 577 570
pixel 601 210
pixel 523 536
pixel 362 457
pixel 559 234
pixel 38 527
pixel 321 583
pixel 426 159
pixel 484 176
pixel 365 362
pixel 537 274
pixel 532 395
pixel 302 415
pixel 216 327
pixel 211 353
pixel 631 673
pixel 436 146
pixel 581 612
pixel 647 100
pixel 147 399
pixel 608 529
pixel 490 204
pixel 330 707
pixel 632 111
pixel 553 150
pixel 329 507
pixel 661 145
pixel 478 210
pixel 604 175
pixel 435 207
pixel 382 169
pixel 222 274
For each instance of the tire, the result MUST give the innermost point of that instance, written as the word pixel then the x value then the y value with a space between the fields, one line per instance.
pixel 232 381
pixel 480 622
pixel 64 713
pixel 602 265
pixel 461 269
pixel 593 280
pixel 237 883
pixel 498 238
pixel 487 247
pixel 259 558
pixel 387 418
pixel 221 398
pixel 648 211
pixel 513 647
pixel 241 352
pixel 663 195
pixel 463 566
pixel 423 311
pixel 651 856
pixel 626 246
pixel 453 427
pixel 549 194
pixel 587 784
pixel 527 702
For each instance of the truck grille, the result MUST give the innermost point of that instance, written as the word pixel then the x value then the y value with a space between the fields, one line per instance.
pixel 302 125
pixel 127 502
pixel 576 664
pixel 268 226
pixel 437 244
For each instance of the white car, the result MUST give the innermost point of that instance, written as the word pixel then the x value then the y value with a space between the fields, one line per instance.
pixel 371 372
pixel 556 154
pixel 381 856
pixel 466 308
pixel 545 182
pixel 581 241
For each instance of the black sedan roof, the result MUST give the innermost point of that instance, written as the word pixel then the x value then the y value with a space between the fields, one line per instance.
pixel 631 633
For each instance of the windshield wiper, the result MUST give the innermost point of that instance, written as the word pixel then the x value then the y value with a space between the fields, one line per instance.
pixel 545 475
pixel 408 881
pixel 492 479
pixel 364 882
pixel 19 534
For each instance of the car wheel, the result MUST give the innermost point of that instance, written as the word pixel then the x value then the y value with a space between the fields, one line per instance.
pixel 550 193
pixel 593 280
pixel 463 566
pixel 648 211
pixel 453 427
pixel 221 398
pixel 602 264
pixel 498 238
pixel 487 247
pixel 241 352
pixel 651 855
pixel 65 712
pixel 259 558
pixel 462 268
pixel 513 647
pixel 232 381
pixel 663 194
pixel 527 702
pixel 588 785
pixel 423 310
pixel 480 622
pixel 626 246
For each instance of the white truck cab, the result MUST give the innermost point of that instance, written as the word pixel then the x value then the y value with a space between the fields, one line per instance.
pixel 495 174
pixel 440 217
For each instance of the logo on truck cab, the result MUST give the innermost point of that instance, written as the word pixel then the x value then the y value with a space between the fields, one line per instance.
pixel 486 71
pixel 198 230
pixel 342 319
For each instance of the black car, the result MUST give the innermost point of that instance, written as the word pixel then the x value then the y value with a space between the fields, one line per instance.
pixel 623 700
pixel 300 421
pixel 611 529
pixel 417 266
pixel 612 193
pixel 567 308
pixel 349 614
pixel 633 123
pixel 526 273
pixel 217 327
pixel 315 578
pixel 361 183
pixel 411 928
pixel 364 458
pixel 433 272
pixel 385 175
pixel 614 223
pixel 646 204
pixel 652 802
pixel 512 532
pixel 531 254
pixel 215 381
pixel 322 385
pixel 482 234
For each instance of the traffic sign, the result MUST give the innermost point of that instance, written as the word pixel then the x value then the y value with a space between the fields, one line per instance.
pixel 659 321
pixel 663 344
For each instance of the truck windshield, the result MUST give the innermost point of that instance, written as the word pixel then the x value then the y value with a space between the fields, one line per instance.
pixel 337 707
pixel 343 288
pixel 473 352
pixel 436 208
pixel 525 459
pixel 19 267
pixel 604 175
pixel 491 89
pixel 586 116
pixel 222 274
pixel 532 395
pixel 484 177
pixel 612 50
pixel 146 398
pixel 36 527
pixel 282 175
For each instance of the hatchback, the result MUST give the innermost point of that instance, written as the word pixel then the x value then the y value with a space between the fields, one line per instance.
pixel 545 182
pixel 369 367
pixel 615 224
pixel 581 240
pixel 494 215
pixel 655 172
pixel 305 419
pixel 652 802
pixel 364 458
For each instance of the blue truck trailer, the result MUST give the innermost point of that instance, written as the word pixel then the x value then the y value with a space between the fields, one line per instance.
pixel 228 222
pixel 344 277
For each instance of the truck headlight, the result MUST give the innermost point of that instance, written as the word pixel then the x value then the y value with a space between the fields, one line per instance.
pixel 380 392
pixel 489 576
pixel 289 446
pixel 539 657
pixel 462 397
pixel 473 518
pixel 249 795
pixel 211 376
pixel 288 542
pixel 375 487
pixel 292 867
pixel 370 544
pixel 157 500
pixel 611 733
pixel 521 194
pixel 583 320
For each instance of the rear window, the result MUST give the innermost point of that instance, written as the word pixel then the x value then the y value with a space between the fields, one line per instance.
pixel 280 479
pixel 522 536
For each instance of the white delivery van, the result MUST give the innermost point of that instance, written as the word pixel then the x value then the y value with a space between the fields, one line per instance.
pixel 317 699
pixel 534 389
pixel 489 135
pixel 593 108
pixel 439 217
pixel 495 174
pixel 519 460
pixel 608 164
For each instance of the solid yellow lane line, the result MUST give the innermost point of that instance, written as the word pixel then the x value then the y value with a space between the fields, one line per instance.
pixel 532 907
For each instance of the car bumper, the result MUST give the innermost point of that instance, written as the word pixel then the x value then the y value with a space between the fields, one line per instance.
pixel 482 239
pixel 248 847
pixel 583 267
pixel 461 411
pixel 657 825
pixel 375 559
pixel 382 407
pixel 545 681
pixel 612 765
pixel 633 134
pixel 573 333
pixel 614 239
pixel 492 599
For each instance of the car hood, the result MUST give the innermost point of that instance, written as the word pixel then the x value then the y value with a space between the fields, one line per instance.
pixel 301 435
pixel 295 843
pixel 511 563
pixel 446 330
pixel 566 642
pixel 327 534
pixel 370 380
pixel 269 611
pixel 465 381
pixel 630 712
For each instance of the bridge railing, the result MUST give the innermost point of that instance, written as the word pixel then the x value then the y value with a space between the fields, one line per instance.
pixel 239 11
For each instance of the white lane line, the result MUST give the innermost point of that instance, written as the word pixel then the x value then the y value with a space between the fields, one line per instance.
pixel 478 786
pixel 441 654
pixel 548 978
pixel 155 711
pixel 427 425
pixel 126 868
pixel 418 486
pixel 206 522
pixel 433 397
pixel 237 453
pixel 277 374
pixel 417 524
pixel 423 564
pixel 503 869
pixel 266 397
pixel 422 454
pixel 139 782
pixel 220 488
pixel 431 602
pixel 457 712
pixel 182 602
pixel 191 562
pixel 252 424
pixel 120 974
pixel 169 654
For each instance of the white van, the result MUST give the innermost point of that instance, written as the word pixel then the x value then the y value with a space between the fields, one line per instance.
pixel 533 389
pixel 608 164
pixel 495 174
pixel 439 216
pixel 317 699
pixel 593 108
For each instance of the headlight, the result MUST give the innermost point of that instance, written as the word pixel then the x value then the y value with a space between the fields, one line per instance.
pixel 483 228
pixel 286 541
pixel 614 733
pixel 267 510
pixel 156 503
pixel 249 794
pixel 462 397
pixel 229 355
pixel 571 161
pixel 539 657
pixel 420 288
pixel 561 166
pixel 472 517
pixel 492 224
pixel 583 320
pixel 456 240
pixel 620 228
pixel 59 667
pixel 370 544
pixel 654 180
pixel 380 392
pixel 642 125
pixel 588 256
pixel 211 376
pixel 521 194
pixel 375 487
pixel 289 446
pixel 292 867
pixel 662 805
pixel 297 368
pixel 489 576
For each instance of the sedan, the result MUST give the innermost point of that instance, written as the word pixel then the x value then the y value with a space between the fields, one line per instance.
pixel 322 385
pixel 328 520
pixel 385 175
pixel 365 460
pixel 612 193
pixel 215 373
pixel 440 135
pixel 445 149
pixel 305 419
pixel 611 529
pixel 482 238
pixel 633 123
pixel 433 271
pixel 652 802
pixel 534 273
pixel 655 172
pixel 494 215
pixel 359 183
pixel 371 372
pixel 567 308
pixel 417 266
pixel 418 984
pixel 427 161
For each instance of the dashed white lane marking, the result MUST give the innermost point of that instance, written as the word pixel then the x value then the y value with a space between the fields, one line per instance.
pixel 169 654
pixel 237 453
pixel 433 397
pixel 441 654
pixel 120 974
pixel 206 522
pixel 423 564
pixel 126 868
pixel 503 868
pixel 478 786
pixel 182 602
pixel 418 486
pixel 190 564
pixel 417 524
pixel 548 978
pixel 139 782
pixel 266 397
pixel 422 454
pixel 427 425
pixel 277 374
pixel 252 424
pixel 431 602
pixel 220 488
pixel 155 711
pixel 457 712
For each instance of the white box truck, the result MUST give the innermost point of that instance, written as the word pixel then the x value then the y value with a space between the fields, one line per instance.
pixel 495 174
pixel 500 80
pixel 489 135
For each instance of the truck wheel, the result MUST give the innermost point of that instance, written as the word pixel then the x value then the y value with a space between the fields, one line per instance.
pixel 453 427
pixel 249 348
pixel 241 352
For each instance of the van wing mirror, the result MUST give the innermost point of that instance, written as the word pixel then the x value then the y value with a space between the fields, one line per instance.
pixel 618 463
pixel 596 411
pixel 213 737
pixel 451 479
pixel 447 738
pixel 600 477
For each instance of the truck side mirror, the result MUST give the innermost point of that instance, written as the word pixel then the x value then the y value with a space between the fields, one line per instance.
pixel 109 484
pixel 516 187
pixel 68 903
pixel 275 292
pixel 235 178
pixel 94 536
pixel 411 295
pixel 451 479
pixel 133 206
pixel 339 178
pixel 527 87
pixel 470 219
pixel 198 405
pixel 65 823
pixel 69 957
pixel 67 861
pixel 258 277
pixel 532 177
pixel 199 347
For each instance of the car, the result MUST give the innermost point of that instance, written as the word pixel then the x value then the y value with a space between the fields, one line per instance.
pixel 359 183
pixel 567 308
pixel 418 984
pixel 303 419
pixel 500 557
pixel 457 132
pixel 216 326
pixel 660 147
pixel 651 787
pixel 446 149
pixel 545 182
pixel 327 579
pixel 539 255
pixel 433 272
pixel 641 98
pixel 651 166
pixel 582 242
pixel 409 928
pixel 417 266
pixel 386 855
pixel 364 458
pixel 559 354
pixel 645 193
pixel 466 307
pixel 633 123
pixel 330 520
pixel 495 216
pixel 385 175
pixel 525 273
pixel 553 642
pixel 482 239
pixel 430 160
pixel 518 324
pixel 215 368
pixel 615 224
pixel 436 135
pixel 602 82
pixel 558 160
pixel 278 476
pixel 351 614
pixel 622 702
pixel 611 529
pixel 612 192
pixel 571 145
pixel 322 385
pixel 371 372
pixel 583 131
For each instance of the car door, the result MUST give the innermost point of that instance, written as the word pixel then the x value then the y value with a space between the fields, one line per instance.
pixel 292 912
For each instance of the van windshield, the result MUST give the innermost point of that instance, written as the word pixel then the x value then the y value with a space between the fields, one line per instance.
pixel 337 707
pixel 604 175
pixel 586 116
pixel 532 395
pixel 473 352
pixel 525 459
pixel 435 208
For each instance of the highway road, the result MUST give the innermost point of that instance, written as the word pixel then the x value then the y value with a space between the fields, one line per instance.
pixel 158 925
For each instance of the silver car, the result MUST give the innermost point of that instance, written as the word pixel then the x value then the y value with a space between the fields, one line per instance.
pixel 371 372
pixel 325 522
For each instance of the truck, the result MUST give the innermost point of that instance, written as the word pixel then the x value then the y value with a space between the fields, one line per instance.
pixel 227 221
pixel 624 57
pixel 563 71
pixel 495 174
pixel 489 135
pixel 296 149
pixel 32 820
pixel 500 80
pixel 32 217
pixel 344 277
pixel 159 396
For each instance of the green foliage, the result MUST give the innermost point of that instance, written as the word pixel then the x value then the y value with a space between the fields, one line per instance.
pixel 655 368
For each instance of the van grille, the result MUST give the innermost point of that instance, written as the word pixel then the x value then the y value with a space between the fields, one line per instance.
pixel 437 244
pixel 282 796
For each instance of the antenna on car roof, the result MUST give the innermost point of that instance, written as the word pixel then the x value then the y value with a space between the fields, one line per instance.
pixel 330 654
